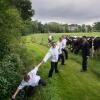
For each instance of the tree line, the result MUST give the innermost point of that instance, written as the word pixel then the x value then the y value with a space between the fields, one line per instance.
pixel 54 27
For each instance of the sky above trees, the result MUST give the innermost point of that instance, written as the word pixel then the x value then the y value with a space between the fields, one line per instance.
pixel 67 11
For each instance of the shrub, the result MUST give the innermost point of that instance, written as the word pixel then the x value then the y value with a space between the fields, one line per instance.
pixel 9 75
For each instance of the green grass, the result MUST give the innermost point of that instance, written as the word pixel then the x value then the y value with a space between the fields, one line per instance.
pixel 70 83
pixel 43 38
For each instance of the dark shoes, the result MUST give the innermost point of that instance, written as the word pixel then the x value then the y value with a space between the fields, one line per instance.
pixel 56 71
pixel 50 75
pixel 83 70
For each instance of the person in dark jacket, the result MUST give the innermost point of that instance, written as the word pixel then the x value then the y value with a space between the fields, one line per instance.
pixel 85 53
pixel 84 47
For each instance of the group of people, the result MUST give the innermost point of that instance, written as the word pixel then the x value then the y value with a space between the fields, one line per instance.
pixel 56 53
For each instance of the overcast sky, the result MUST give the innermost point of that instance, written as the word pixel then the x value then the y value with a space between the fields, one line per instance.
pixel 67 11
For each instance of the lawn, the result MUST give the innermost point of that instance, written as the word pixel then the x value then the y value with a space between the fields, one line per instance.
pixel 69 83
pixel 43 38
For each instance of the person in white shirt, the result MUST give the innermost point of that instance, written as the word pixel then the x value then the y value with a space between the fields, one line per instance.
pixel 60 47
pixel 31 79
pixel 53 55
pixel 64 41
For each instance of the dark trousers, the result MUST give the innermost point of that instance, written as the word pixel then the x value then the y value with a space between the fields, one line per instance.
pixel 53 67
pixel 61 57
pixel 84 63
pixel 30 89
pixel 42 82
pixel 66 53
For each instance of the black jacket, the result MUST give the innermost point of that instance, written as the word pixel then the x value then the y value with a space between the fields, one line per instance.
pixel 85 49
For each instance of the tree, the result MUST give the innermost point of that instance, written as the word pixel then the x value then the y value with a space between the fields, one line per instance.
pixel 83 28
pixel 55 27
pixel 96 26
pixel 10 28
pixel 46 28
pixel 88 28
pixel 66 27
pixel 79 28
pixel 25 8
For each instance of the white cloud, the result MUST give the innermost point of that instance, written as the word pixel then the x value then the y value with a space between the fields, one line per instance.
pixel 67 11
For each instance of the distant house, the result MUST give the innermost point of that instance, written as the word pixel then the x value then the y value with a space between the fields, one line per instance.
pixel 73 27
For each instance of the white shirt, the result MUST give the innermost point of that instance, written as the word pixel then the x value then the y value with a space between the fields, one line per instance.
pixel 64 43
pixel 33 81
pixel 53 54
pixel 60 46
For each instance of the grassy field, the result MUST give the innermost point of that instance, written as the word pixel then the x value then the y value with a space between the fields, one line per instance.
pixel 69 83
pixel 43 38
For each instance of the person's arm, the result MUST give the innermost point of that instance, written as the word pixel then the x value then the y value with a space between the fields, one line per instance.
pixel 20 87
pixel 47 56
pixel 34 71
pixel 39 64
pixel 16 92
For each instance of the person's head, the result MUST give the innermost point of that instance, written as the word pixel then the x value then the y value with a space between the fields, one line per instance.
pixel 84 38
pixel 63 36
pixel 26 78
pixel 53 44
pixel 60 39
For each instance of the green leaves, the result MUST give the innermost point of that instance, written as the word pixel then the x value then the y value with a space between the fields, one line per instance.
pixel 12 13
pixel 10 29
pixel 4 84
pixel 9 75
pixel 96 26
pixel 25 8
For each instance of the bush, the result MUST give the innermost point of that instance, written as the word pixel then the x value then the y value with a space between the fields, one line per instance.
pixel 4 84
pixel 9 75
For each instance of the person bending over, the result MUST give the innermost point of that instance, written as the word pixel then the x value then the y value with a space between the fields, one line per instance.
pixel 30 80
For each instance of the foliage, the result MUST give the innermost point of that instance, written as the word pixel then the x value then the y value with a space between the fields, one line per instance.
pixel 25 8
pixel 11 28
pixel 96 26
pixel 9 75
pixel 54 27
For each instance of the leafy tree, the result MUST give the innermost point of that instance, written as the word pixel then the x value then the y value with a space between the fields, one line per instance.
pixel 25 8
pixel 79 28
pixel 11 64
pixel 83 28
pixel 96 26
pixel 66 27
pixel 46 28
pixel 89 28
pixel 10 28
